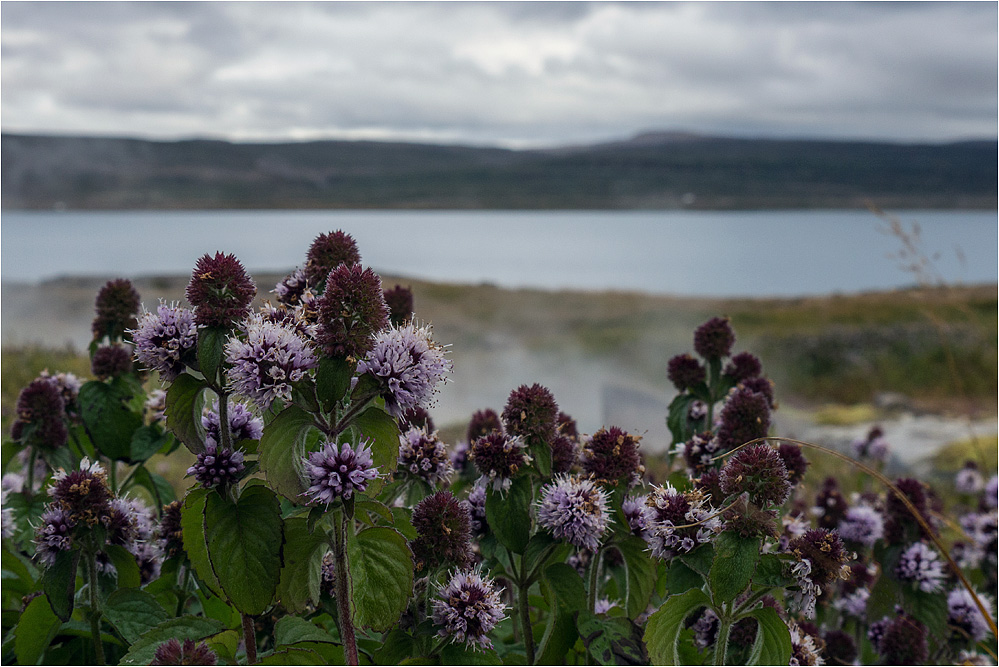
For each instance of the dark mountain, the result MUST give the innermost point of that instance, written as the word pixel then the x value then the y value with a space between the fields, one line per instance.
pixel 651 170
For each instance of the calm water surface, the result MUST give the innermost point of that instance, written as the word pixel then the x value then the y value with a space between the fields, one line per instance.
pixel 756 253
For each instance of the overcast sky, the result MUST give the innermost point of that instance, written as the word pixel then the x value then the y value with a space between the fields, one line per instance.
pixel 514 74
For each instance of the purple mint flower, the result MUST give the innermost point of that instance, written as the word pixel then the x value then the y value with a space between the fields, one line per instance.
pixel 862 524
pixel 743 366
pixel 116 305
pixel 921 565
pixel 424 455
pixel 400 303
pixel 111 361
pixel 467 608
pixel 163 338
pixel 824 551
pixel 677 522
pixel 293 290
pixel 574 510
pixel 243 424
pixel 264 366
pixel 803 648
pixel 964 613
pixel 705 629
pixel 170 533
pixel 459 456
pixel 872 447
pixel 477 507
pixel 417 417
pixel 634 511
pixel 565 453
pixel 714 338
pixel 745 416
pixel 698 452
pixel 854 604
pixel 980 527
pixel 41 416
pixel 217 466
pixel 409 365
pixel 803 598
pixel 483 423
pixel 499 457
pixel 69 388
pixel 83 493
pixel 990 497
pixel 443 532
pixel 327 252
pixel 54 534
pixel 968 480
pixel 351 311
pixel 156 406
pixel 337 471
pixel 604 605
pixel 220 290
pixel 611 455
pixel 759 471
pixel 531 413
pixel 685 372
pixel 121 523
pixel 903 642
pixel 173 652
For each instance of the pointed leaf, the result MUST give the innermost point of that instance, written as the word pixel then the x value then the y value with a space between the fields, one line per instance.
pixel 183 411
pixel 662 633
pixel 59 583
pixel 332 381
pixel 509 514
pixel 641 575
pixel 379 426
pixel 133 612
pixel 109 420
pixel 773 640
pixel 211 347
pixel 301 574
pixel 35 630
pixel 282 449
pixel 565 594
pixel 192 523
pixel 381 574
pixel 735 560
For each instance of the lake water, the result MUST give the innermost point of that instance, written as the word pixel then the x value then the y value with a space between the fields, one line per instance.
pixel 758 253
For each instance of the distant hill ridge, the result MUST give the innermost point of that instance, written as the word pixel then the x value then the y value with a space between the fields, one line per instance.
pixel 652 170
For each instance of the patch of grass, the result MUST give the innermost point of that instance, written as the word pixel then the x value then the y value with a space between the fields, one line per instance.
pixel 982 450
pixel 845 415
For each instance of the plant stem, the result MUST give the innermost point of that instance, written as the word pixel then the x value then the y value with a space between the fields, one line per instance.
pixel 250 639
pixel 341 584
pixel 95 608
pixel 352 412
pixel 226 436
pixel 525 620
pixel 594 577
pixel 29 486
pixel 113 476
pixel 721 643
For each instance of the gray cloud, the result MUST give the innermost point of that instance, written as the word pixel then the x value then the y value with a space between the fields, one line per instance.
pixel 513 73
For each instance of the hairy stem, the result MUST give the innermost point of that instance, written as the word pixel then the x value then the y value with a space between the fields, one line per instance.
pixel 224 434
pixel 721 643
pixel 525 620
pixel 594 580
pixel 352 412
pixel 250 639
pixel 341 584
pixel 95 608
pixel 29 486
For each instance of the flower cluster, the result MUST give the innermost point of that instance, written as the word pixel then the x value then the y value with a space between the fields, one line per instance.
pixel 574 510
pixel 498 457
pixel 921 565
pixel 337 471
pixel 400 303
pixel 293 290
pixel 714 338
pixel 409 366
pixel 173 652
pixel 351 311
pixel 220 291
pixel 685 372
pixel 217 466
pixel 264 367
pixel 111 361
pixel 531 413
pixel 467 608
pixel 872 447
pixel 443 532
pixel 963 613
pixel 116 305
pixel 243 424
pixel 611 456
pixel 41 416
pixel 744 417
pixel 163 339
pixel 424 455
pixel 327 252
pixel 758 471
pixel 676 522
pixel 862 524
pixel 968 480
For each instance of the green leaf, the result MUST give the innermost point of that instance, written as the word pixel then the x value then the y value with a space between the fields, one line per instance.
pixel 133 612
pixel 244 545
pixel 106 414
pixel 770 573
pixel 183 411
pixel 397 645
pixel 301 574
pixel 930 609
pixel 332 381
pixel 146 441
pixel 662 633
pixel 59 583
pixel 125 564
pixel 282 448
pixel 610 641
pixel 211 348
pixel 509 515
pixel 680 578
pixel 381 575
pixel 159 488
pixel 36 628
pixel 293 656
pixel 192 523
pixel 735 560
pixel 565 594
pixel 541 453
pixel 700 559
pixel 184 627
pixel 292 629
pixel 641 575
pixel 773 640
pixel 375 507
pixel 379 426
pixel 461 654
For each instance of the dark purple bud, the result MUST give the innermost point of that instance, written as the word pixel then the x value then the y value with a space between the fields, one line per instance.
pixel 710 484
pixel 758 471
pixel 743 366
pixel 531 413
pixel 400 304
pixel 830 504
pixel 903 642
pixel 111 361
pixel 825 552
pixel 220 291
pixel 564 454
pixel 761 385
pixel 170 531
pixel 416 417
pixel 901 526
pixel 498 456
pixel 327 252
pixel 483 423
pixel 351 311
pixel 83 493
pixel 685 372
pixel 840 649
pixel 611 456
pixel 217 466
pixel 744 417
pixel 117 304
pixel 41 416
pixel 714 338
pixel 794 461
pixel 443 533
pixel 172 652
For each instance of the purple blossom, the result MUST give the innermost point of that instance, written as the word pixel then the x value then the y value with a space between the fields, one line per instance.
pixel 217 466
pixel 220 290
pixel 921 565
pixel 634 511
pixel 173 652
pixel 499 457
pixel 803 599
pixel 574 510
pixel 54 534
pixel 243 424
pixel 964 613
pixel 41 416
pixel 803 648
pixel 264 366
pixel 69 388
pixel 854 604
pixel 467 608
pixel 424 455
pixel 873 446
pixel 337 471
pixel 294 290
pixel 968 480
pixel 604 605
pixel 163 338
pixel 409 365
pixel 477 507
pixel 862 524
pixel 980 527
pixel 156 406
pixel 990 497
pixel 677 522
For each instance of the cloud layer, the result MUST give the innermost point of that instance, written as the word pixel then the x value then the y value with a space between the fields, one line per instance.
pixel 515 74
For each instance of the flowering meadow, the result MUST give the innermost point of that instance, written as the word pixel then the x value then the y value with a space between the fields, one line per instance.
pixel 328 522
